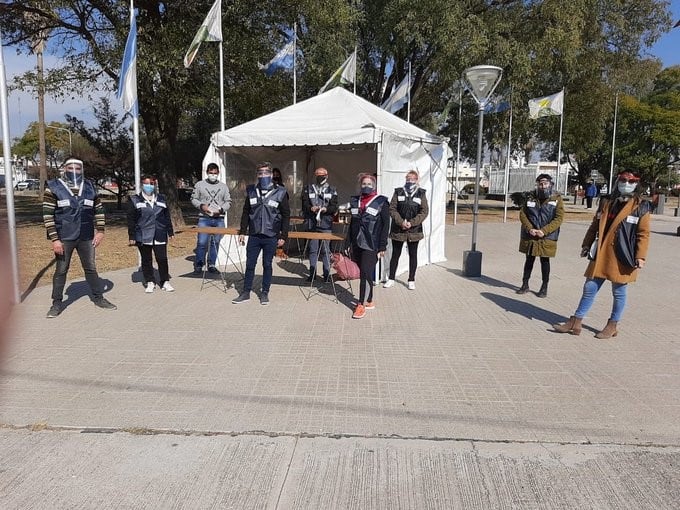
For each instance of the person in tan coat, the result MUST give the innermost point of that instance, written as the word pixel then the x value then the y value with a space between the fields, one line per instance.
pixel 617 243
pixel 541 217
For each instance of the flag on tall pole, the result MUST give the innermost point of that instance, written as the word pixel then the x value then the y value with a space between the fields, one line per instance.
pixel 127 81
pixel 210 31
pixel 284 59
pixel 399 97
pixel 346 73
pixel 548 105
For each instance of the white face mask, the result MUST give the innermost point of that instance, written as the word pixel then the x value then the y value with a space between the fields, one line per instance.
pixel 627 188
pixel 212 178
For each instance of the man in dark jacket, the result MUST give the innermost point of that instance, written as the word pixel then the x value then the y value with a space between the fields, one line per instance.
pixel 319 205
pixel 265 219
pixel 74 219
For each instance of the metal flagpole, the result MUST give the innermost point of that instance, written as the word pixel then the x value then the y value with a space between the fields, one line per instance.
pixel 355 70
pixel 9 179
pixel 455 185
pixel 559 146
pixel 611 168
pixel 507 166
pixel 221 88
pixel 408 103
pixel 294 62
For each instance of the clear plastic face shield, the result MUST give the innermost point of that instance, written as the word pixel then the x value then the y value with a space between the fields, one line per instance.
pixel 72 172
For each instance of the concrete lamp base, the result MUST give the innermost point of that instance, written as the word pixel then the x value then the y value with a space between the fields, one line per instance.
pixel 472 264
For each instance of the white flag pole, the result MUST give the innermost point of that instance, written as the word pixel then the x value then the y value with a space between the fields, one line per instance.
pixel 294 62
pixel 408 103
pixel 611 168
pixel 507 166
pixel 460 116
pixel 9 180
pixel 559 145
pixel 221 87
pixel 355 70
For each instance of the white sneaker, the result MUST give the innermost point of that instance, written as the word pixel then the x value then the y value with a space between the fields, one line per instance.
pixel 149 287
pixel 411 285
pixel 388 284
pixel 167 287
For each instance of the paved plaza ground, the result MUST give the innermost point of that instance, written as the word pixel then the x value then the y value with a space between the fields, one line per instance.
pixel 455 395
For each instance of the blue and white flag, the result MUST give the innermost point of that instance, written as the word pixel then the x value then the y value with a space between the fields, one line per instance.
pixel 399 97
pixel 496 104
pixel 127 82
pixel 284 59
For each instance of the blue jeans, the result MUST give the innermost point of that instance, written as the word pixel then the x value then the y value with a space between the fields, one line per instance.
pixel 86 253
pixel 256 244
pixel 203 243
pixel 590 290
pixel 314 254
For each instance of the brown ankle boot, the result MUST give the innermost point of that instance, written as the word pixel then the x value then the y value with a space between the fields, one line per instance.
pixel 573 326
pixel 524 288
pixel 608 331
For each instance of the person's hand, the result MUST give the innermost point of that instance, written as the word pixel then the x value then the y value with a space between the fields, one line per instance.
pixel 58 247
pixel 323 209
pixel 406 225
pixel 98 237
pixel 381 254
pixel 640 263
pixel 540 234
pixel 584 251
pixel 171 238
pixel 132 242
pixel 315 208
pixel 241 239
pixel 204 209
pixel 280 242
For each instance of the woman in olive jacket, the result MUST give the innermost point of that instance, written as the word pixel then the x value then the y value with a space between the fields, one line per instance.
pixel 541 217
pixel 408 209
pixel 620 231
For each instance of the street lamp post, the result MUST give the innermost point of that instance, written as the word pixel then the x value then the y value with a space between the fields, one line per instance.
pixel 70 141
pixel 481 82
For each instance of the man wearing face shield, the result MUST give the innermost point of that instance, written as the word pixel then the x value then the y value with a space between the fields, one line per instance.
pixel 212 199
pixel 541 217
pixel 74 219
pixel 319 205
pixel 265 219
pixel 616 242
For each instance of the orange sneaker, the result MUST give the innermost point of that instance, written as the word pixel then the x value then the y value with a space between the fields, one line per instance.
pixel 359 312
pixel 370 305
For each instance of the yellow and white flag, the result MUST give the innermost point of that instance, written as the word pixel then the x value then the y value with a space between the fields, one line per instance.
pixel 545 106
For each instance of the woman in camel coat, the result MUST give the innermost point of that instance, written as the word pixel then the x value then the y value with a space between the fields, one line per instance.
pixel 621 231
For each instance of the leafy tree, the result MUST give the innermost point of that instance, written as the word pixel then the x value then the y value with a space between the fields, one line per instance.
pixel 56 142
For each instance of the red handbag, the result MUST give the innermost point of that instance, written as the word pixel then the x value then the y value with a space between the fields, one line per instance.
pixel 345 268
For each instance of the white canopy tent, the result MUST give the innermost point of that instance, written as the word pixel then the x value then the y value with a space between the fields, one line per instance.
pixel 347 135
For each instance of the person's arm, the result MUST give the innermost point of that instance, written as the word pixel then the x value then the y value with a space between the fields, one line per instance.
pixel 642 244
pixel 284 208
pixel 593 230
pixel 196 197
pixel 306 203
pixel 245 217
pixel 226 200
pixel 422 213
pixel 332 207
pixel 394 213
pixel 48 206
pixel 557 220
pixel 131 219
pixel 385 230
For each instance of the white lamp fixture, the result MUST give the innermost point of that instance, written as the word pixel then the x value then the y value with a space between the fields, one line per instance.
pixel 481 81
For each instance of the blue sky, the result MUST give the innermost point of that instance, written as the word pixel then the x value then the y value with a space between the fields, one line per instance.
pixel 23 107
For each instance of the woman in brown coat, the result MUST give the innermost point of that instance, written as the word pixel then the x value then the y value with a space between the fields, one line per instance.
pixel 541 217
pixel 408 209
pixel 620 231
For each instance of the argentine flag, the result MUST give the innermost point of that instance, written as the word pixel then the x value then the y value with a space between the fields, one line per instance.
pixel 127 82
pixel 282 60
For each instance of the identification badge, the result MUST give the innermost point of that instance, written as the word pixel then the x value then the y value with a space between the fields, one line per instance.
pixel 401 198
pixel 531 203
pixel 253 201
pixel 632 219
pixel 354 211
pixel 553 202
pixel 63 203
pixel 161 204
pixel 312 195
pixel 140 205
pixel 327 196
pixel 88 202
pixel 417 200
pixel 272 203
pixel 372 211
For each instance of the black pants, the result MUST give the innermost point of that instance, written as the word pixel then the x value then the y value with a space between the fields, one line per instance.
pixel 589 202
pixel 366 260
pixel 86 253
pixel 161 253
pixel 412 258
pixel 529 265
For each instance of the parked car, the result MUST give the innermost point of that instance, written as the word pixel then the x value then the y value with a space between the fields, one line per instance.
pixel 27 184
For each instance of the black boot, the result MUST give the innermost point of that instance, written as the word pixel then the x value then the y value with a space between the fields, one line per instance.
pixel 543 291
pixel 524 288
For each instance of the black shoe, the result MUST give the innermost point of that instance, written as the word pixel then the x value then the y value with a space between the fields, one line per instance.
pixel 264 298
pixel 523 289
pixel 311 276
pixel 213 269
pixel 198 270
pixel 242 298
pixel 543 291
pixel 54 310
pixel 105 304
pixel 327 278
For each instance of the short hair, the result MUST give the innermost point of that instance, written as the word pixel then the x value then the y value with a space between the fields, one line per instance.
pixel 413 172
pixel 147 176
pixel 264 164
pixel 366 175
pixel 547 177
pixel 212 166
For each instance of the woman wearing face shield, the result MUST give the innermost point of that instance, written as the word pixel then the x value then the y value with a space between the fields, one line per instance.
pixel 620 231
pixel 541 217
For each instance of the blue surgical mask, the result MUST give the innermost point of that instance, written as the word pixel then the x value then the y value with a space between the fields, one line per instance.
pixel 265 182
pixel 148 188
pixel 366 190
